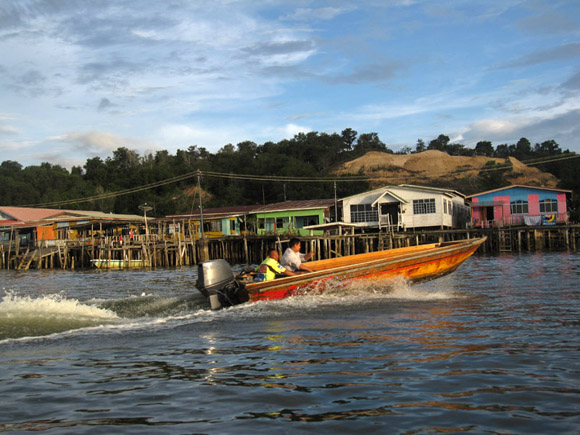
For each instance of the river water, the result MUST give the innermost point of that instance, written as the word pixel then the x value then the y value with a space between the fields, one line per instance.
pixel 491 348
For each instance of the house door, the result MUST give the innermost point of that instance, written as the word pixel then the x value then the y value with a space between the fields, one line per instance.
pixel 391 209
pixel 489 214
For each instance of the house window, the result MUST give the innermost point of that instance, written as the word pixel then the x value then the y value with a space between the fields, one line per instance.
pixel 519 207
pixel 445 206
pixel 548 206
pixel 364 213
pixel 423 206
pixel 304 221
pixel 212 226
pixel 282 222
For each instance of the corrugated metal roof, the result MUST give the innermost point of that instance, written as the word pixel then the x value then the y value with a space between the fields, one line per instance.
pixel 223 212
pixel 296 205
pixel 214 213
pixel 389 187
pixel 76 214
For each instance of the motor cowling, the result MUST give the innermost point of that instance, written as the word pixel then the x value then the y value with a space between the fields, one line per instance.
pixel 215 280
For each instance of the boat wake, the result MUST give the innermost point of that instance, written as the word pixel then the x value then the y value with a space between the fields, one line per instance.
pixel 26 316
pixel 395 288
pixel 336 295
pixel 23 317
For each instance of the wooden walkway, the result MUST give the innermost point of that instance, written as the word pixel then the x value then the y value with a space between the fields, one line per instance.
pixel 174 252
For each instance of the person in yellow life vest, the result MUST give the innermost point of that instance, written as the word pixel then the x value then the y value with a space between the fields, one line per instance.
pixel 270 268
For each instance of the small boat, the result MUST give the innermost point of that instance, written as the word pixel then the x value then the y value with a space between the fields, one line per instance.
pixel 117 264
pixel 217 282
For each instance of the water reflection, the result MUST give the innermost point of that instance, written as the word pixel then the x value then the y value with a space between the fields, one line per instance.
pixel 491 348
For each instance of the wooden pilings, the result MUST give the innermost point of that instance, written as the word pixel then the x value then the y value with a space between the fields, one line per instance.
pixel 252 249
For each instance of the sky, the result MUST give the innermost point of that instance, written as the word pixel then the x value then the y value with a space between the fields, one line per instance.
pixel 81 78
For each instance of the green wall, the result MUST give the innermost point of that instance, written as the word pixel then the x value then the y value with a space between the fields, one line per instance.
pixel 289 222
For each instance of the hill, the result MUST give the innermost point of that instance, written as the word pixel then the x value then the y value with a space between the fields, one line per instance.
pixel 439 168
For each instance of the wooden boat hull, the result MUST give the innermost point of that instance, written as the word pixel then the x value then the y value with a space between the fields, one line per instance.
pixel 117 264
pixel 417 263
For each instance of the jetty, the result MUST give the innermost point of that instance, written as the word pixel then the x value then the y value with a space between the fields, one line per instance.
pixel 158 250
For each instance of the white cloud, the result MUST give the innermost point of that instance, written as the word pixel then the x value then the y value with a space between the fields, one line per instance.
pixel 180 136
pixel 307 14
pixel 493 127
pixel 12 146
pixel 7 129
pixel 290 130
pixel 100 142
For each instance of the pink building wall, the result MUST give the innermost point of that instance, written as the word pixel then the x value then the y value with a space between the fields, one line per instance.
pixel 562 203
pixel 476 214
pixel 501 211
pixel 533 204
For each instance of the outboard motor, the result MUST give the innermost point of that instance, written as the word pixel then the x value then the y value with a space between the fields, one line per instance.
pixel 215 280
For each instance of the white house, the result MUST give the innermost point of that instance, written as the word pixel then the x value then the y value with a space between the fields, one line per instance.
pixel 405 207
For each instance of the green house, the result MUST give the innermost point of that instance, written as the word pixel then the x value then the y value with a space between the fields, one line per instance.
pixel 290 217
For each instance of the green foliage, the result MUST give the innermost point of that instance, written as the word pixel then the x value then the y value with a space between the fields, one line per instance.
pixel 309 156
pixel 484 148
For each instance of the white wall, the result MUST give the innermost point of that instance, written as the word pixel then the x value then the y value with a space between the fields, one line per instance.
pixel 363 198
pixel 408 219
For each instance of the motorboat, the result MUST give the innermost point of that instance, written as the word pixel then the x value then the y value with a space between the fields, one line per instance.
pixel 218 283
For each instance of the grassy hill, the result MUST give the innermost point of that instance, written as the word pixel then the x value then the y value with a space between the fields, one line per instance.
pixel 436 168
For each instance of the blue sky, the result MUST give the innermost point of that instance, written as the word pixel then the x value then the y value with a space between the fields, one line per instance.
pixel 79 79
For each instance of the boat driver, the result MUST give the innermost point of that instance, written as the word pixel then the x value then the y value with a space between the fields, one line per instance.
pixel 293 258
pixel 270 268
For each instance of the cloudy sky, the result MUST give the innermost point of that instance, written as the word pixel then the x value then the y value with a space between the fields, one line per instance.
pixel 80 78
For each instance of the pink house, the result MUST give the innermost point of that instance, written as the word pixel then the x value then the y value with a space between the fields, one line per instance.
pixel 520 205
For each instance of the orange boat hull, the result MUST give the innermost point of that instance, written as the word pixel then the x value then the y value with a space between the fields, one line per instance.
pixel 418 263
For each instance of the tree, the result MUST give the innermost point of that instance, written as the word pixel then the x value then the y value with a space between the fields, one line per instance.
pixel 307 155
pixel 547 148
pixel 370 142
pixel 440 143
pixel 124 158
pixel 484 148
pixel 349 136
pixel 505 150
pixel 523 149
pixel 11 168
pixel 420 147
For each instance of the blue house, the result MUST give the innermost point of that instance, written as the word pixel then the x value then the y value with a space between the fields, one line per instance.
pixel 520 205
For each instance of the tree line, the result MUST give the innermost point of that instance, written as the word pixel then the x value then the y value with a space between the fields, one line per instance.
pixel 307 155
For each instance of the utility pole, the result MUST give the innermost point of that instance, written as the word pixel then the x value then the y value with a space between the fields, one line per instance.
pixel 335 205
pixel 200 204
pixel 145 208
pixel 204 254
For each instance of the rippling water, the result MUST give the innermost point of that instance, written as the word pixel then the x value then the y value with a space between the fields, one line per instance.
pixel 492 348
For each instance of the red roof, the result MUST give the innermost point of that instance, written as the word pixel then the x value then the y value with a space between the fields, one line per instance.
pixel 25 214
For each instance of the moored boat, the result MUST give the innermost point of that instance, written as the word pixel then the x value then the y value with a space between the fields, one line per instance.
pixel 117 264
pixel 217 282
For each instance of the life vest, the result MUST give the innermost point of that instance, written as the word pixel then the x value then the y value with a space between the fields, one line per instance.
pixel 268 270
